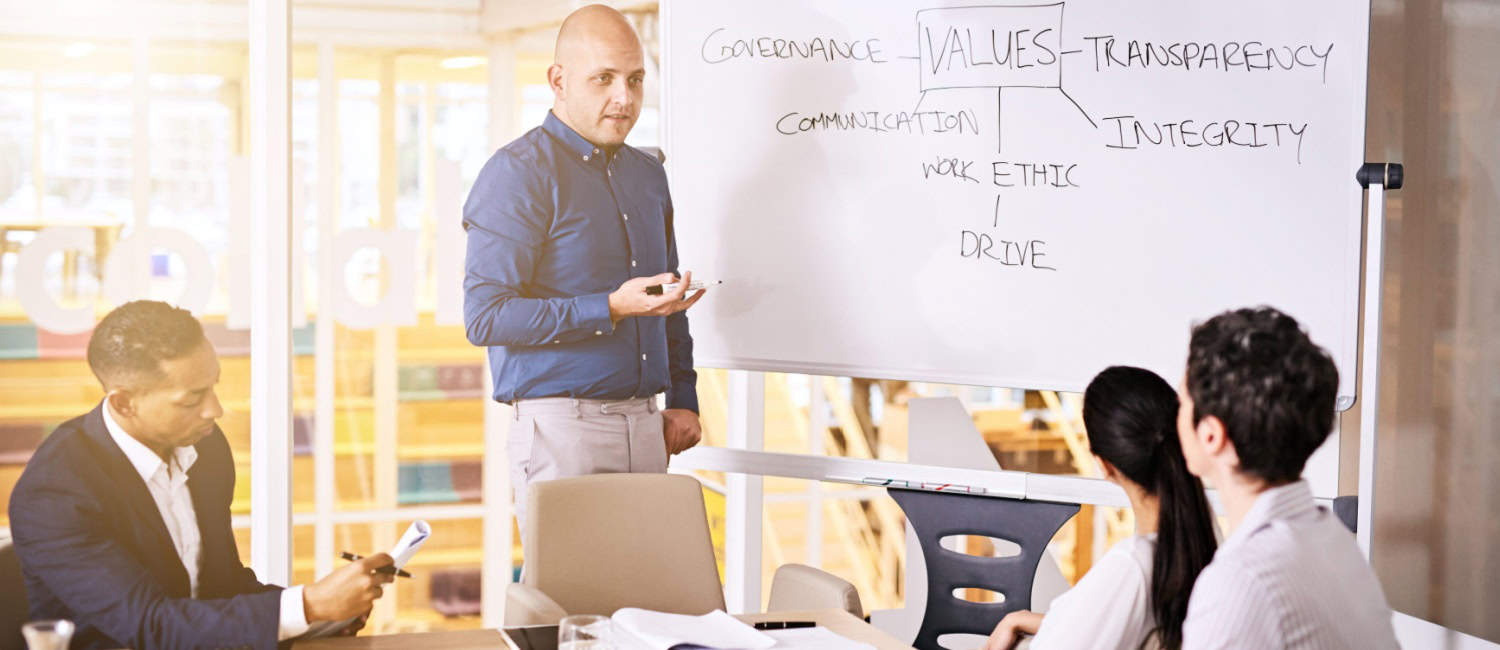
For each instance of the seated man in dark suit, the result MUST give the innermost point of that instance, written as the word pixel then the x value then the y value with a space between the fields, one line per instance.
pixel 121 519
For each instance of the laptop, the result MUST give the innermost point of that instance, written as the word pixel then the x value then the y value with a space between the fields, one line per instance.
pixel 531 637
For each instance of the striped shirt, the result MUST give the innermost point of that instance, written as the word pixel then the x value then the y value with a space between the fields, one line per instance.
pixel 1290 576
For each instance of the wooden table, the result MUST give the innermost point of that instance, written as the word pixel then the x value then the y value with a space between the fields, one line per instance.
pixel 460 640
pixel 839 621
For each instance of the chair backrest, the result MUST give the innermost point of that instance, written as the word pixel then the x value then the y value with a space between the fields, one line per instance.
pixel 601 542
pixel 798 587
pixel 1346 508
pixel 935 515
pixel 15 610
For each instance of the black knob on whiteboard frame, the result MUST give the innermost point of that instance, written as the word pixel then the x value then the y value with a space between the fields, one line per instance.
pixel 1389 175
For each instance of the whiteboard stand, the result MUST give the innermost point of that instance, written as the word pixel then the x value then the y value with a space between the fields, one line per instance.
pixel 1375 178
pixel 744 498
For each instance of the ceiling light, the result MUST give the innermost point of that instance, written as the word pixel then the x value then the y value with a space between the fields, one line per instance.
pixel 79 50
pixel 461 62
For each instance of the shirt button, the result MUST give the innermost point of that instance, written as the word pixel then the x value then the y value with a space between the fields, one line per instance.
pixel 585 156
pixel 632 263
pixel 625 216
pixel 643 357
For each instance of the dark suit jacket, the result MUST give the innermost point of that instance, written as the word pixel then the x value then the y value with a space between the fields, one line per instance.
pixel 94 550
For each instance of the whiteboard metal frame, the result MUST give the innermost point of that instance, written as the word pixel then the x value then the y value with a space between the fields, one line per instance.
pixel 853 471
pixel 999 484
pixel 1369 365
pixel 1369 370
pixel 839 370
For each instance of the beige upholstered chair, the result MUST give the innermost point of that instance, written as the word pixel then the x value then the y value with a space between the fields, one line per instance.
pixel 594 544
pixel 801 587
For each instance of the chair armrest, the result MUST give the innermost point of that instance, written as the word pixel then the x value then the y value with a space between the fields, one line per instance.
pixel 527 605
pixel 801 587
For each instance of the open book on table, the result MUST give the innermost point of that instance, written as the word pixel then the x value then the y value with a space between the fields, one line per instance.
pixel 639 629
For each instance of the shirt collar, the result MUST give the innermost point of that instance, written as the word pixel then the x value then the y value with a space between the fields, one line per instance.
pixel 1282 502
pixel 145 461
pixel 570 138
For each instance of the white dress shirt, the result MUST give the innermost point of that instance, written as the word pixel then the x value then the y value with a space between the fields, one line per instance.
pixel 1110 607
pixel 167 483
pixel 1290 576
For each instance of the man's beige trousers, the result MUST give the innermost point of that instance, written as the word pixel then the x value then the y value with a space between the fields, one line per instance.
pixel 559 437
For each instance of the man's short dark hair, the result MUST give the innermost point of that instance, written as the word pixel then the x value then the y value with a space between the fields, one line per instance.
pixel 1272 387
pixel 132 341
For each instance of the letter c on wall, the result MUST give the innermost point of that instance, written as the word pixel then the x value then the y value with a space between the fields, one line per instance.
pixel 398 305
pixel 31 263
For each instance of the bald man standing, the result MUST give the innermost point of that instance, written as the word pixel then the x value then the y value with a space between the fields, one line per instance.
pixel 567 227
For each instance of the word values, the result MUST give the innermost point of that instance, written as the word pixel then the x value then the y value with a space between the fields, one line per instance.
pixel 1023 48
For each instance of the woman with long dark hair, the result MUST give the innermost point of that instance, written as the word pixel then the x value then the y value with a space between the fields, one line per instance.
pixel 1136 595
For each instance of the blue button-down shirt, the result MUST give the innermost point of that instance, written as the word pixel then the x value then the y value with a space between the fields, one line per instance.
pixel 554 225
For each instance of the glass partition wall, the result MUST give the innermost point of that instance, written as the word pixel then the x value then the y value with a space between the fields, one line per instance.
pixel 124 174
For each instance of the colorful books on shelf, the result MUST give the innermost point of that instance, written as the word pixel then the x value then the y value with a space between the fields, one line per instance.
pixel 19 440
pixel 439 482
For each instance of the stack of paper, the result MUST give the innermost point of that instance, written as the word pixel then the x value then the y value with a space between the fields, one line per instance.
pixel 407 547
pixel 411 542
pixel 650 630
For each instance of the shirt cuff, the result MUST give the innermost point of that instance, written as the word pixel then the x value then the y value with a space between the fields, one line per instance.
pixel 293 616
pixel 683 395
pixel 593 312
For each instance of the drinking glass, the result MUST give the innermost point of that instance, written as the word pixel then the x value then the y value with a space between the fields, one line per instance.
pixel 48 635
pixel 585 632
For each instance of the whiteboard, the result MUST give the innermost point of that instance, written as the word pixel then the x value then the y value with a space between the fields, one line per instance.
pixel 1011 195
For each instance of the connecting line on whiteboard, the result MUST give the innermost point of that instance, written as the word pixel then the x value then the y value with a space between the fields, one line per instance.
pixel 1080 108
pixel 999 120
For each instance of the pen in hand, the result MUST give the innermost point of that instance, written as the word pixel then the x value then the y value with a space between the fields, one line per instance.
pixel 385 569
pixel 660 289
